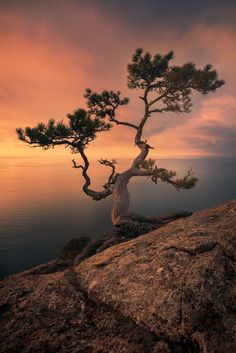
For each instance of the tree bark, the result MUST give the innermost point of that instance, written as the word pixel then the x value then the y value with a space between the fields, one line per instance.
pixel 121 197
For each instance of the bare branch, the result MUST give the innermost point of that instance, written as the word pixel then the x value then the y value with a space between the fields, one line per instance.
pixel 144 150
pixel 160 97
pixel 96 195
pixel 75 164
pixel 113 176
pixel 161 110
pixel 145 117
pixel 117 122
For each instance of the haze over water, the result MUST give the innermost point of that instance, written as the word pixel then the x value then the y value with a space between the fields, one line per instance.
pixel 42 206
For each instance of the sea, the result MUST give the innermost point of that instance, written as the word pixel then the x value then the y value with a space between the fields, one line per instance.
pixel 42 205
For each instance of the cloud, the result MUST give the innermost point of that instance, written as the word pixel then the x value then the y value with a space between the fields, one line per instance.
pixel 152 13
pixel 210 131
pixel 52 50
pixel 220 133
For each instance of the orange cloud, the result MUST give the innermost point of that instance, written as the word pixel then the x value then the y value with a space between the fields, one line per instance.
pixel 45 69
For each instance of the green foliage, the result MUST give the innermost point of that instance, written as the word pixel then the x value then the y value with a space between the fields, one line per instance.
pixel 187 182
pixel 79 132
pixel 173 85
pixel 84 127
pixel 145 69
pixel 148 164
pixel 105 104
pixel 168 176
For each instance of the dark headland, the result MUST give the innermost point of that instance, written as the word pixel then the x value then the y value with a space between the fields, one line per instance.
pixel 172 290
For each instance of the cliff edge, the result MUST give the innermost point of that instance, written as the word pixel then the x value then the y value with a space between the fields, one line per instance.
pixel 169 291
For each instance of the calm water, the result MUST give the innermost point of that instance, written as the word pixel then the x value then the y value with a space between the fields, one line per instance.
pixel 42 206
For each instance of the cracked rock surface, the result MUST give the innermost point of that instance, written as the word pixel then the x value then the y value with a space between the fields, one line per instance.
pixel 168 291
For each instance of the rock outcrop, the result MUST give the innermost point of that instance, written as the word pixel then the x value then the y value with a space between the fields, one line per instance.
pixel 168 291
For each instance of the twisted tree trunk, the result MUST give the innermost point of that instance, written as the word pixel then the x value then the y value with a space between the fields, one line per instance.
pixel 128 225
pixel 120 191
pixel 121 197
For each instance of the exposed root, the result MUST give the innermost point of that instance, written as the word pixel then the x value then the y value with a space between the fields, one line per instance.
pixel 131 226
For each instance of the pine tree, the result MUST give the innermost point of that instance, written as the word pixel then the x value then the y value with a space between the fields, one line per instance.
pixel 164 88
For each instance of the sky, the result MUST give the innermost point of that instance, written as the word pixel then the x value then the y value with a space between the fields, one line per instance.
pixel 52 50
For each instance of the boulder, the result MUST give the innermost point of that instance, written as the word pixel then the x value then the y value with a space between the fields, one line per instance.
pixel 178 281
pixel 169 291
pixel 73 248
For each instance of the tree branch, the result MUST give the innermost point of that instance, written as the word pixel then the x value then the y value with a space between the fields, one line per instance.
pixel 50 144
pixel 159 110
pixel 113 176
pixel 123 123
pixel 167 176
pixel 161 96
pixel 75 164
pixel 105 105
pixel 144 150
pixel 96 195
